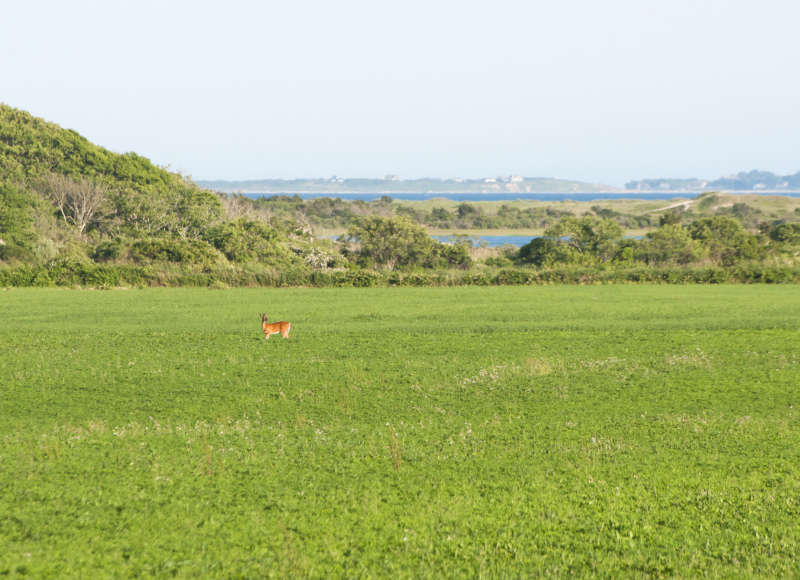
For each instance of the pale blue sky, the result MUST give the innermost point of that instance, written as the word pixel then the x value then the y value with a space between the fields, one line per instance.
pixel 598 90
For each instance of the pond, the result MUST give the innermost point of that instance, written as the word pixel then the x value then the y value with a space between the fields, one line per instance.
pixel 490 241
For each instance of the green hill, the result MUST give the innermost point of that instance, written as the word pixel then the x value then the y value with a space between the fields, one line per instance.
pixel 100 192
pixel 30 146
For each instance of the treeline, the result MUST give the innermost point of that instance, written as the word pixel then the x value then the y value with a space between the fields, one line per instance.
pixel 334 213
pixel 383 251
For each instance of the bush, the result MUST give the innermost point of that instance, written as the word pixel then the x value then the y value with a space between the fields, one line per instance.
pixel 786 233
pixel 544 252
pixel 725 240
pixel 71 272
pixel 449 256
pixel 669 244
pixel 391 242
pixel 512 277
pixel 105 251
pixel 501 261
pixel 173 250
pixel 247 241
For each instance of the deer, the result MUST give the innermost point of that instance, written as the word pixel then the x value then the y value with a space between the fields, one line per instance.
pixel 281 328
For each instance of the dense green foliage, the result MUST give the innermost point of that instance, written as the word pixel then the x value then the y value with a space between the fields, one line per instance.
pixel 73 273
pixel 720 240
pixel 399 243
pixel 17 235
pixel 669 244
pixel 497 432
pixel 717 233
pixel 244 240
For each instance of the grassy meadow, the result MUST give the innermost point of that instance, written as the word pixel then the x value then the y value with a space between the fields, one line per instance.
pixel 403 432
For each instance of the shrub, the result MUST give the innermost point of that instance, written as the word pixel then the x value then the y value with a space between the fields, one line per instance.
pixel 512 277
pixel 726 241
pixel 501 261
pixel 391 242
pixel 544 252
pixel 247 241
pixel 786 233
pixel 669 244
pixel 107 250
pixel 449 256
pixel 173 250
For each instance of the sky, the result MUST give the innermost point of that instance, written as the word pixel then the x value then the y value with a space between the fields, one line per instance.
pixel 596 90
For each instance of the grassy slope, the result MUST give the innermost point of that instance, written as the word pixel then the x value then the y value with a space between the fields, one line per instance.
pixel 414 432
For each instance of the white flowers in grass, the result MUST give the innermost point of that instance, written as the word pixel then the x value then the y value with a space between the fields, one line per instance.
pixel 484 375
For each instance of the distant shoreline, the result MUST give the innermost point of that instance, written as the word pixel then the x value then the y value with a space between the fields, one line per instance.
pixel 510 196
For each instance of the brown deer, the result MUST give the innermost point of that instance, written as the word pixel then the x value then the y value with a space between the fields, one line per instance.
pixel 281 328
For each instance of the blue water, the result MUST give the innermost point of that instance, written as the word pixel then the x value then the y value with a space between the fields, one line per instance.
pixel 494 241
pixel 491 241
pixel 505 196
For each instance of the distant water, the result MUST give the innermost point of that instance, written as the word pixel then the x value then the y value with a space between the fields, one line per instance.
pixel 495 241
pixel 491 241
pixel 504 196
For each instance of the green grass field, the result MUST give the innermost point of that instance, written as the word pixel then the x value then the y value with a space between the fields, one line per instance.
pixel 465 432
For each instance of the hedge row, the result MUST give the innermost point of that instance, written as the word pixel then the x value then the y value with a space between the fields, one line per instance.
pixel 83 274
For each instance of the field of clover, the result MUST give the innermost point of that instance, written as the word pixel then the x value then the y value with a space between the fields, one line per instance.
pixel 405 432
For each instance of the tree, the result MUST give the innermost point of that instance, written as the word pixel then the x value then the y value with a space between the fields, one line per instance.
pixel 177 209
pixel 449 256
pixel 78 201
pixel 786 233
pixel 588 236
pixel 439 216
pixel 407 211
pixel 466 210
pixel 390 242
pixel 605 212
pixel 726 240
pixel 245 240
pixel 669 244
pixel 673 216
pixel 544 252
